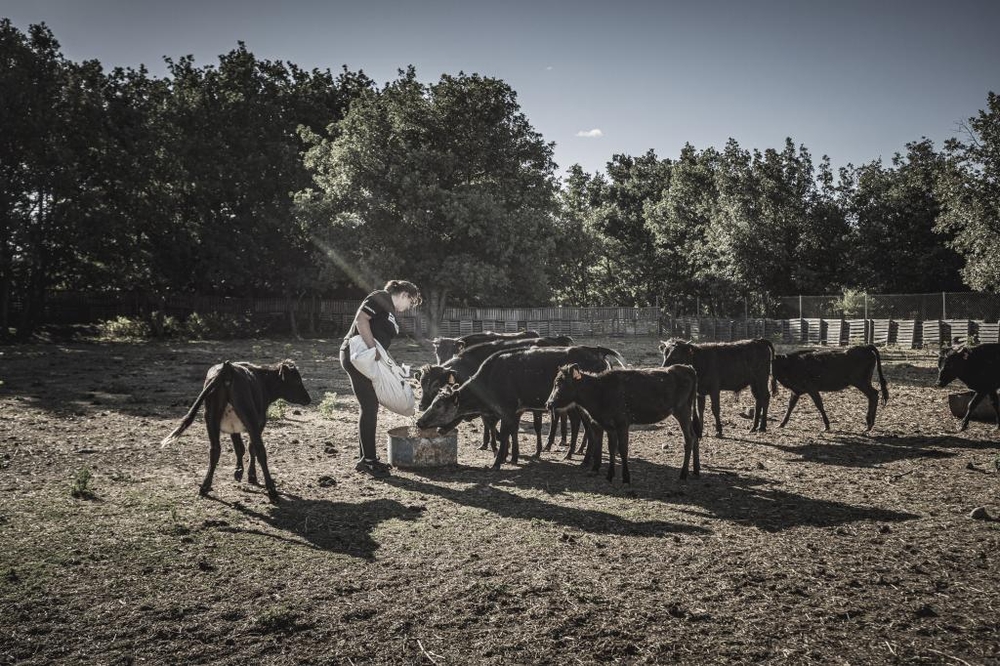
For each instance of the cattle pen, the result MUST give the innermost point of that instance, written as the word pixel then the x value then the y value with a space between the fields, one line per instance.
pixel 793 546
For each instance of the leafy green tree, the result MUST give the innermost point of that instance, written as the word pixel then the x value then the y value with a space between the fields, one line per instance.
pixel 446 184
pixel 577 244
pixel 970 196
pixel 894 213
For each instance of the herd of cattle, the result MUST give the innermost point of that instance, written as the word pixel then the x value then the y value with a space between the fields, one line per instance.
pixel 497 377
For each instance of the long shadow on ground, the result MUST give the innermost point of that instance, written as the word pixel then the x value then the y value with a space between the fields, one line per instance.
pixel 339 527
pixel 483 495
pixel 873 451
pixel 746 500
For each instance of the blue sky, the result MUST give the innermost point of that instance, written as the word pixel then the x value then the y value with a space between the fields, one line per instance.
pixel 852 80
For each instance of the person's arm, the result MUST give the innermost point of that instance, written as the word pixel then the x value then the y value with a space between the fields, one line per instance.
pixel 365 331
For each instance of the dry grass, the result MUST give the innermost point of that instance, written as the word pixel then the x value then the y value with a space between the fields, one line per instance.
pixel 793 546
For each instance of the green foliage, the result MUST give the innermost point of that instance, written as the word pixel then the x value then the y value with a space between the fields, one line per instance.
pixel 81 485
pixel 329 405
pixel 970 194
pixel 276 411
pixel 124 328
pixel 216 326
pixel 432 183
pixel 850 304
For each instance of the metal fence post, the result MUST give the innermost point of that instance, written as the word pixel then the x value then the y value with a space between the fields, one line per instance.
pixel 944 306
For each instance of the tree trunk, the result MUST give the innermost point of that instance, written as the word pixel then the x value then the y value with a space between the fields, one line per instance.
pixel 436 302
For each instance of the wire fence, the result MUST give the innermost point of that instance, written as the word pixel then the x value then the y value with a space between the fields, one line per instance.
pixel 911 320
pixel 918 307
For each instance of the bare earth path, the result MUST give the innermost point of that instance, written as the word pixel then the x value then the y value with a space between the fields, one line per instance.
pixel 793 547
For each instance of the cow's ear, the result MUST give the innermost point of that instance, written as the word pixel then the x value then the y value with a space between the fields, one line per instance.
pixel 459 345
pixel 577 375
pixel 417 373
pixel 965 354
pixel 451 378
pixel 663 345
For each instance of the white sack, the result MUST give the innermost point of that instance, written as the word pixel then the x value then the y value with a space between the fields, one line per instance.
pixel 389 379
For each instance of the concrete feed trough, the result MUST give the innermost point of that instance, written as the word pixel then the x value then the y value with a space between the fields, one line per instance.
pixel 412 447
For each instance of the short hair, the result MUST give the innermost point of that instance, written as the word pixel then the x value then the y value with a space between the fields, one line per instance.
pixel 405 287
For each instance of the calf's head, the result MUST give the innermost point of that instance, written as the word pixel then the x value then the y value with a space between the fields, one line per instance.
pixel 676 351
pixel 564 387
pixel 290 384
pixel 432 379
pixel 442 413
pixel 951 364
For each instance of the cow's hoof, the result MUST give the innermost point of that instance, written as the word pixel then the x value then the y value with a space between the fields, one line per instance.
pixel 252 480
pixel 484 447
pixel 273 496
pixel 238 475
pixel 204 490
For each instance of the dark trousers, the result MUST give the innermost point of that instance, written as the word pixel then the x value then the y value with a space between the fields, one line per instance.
pixel 364 391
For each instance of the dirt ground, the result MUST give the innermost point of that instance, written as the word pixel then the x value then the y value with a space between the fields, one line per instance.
pixel 794 546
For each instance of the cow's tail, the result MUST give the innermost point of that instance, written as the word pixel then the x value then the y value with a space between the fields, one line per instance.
pixel 770 367
pixel 695 416
pixel 225 373
pixel 881 377
pixel 607 351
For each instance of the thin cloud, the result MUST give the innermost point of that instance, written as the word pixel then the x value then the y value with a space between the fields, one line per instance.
pixel 590 134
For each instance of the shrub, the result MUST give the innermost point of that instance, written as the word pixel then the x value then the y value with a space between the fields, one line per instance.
pixel 216 326
pixel 81 485
pixel 124 328
pixel 329 405
pixel 276 411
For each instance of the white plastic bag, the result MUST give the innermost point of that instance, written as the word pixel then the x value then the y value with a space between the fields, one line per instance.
pixel 389 379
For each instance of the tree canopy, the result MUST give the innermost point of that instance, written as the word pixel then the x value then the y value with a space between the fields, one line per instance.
pixel 256 177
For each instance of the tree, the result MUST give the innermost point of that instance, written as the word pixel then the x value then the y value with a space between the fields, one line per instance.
pixel 970 195
pixel 577 244
pixel 446 184
pixel 894 214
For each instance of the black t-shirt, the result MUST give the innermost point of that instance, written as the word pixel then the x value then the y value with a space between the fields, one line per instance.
pixel 378 305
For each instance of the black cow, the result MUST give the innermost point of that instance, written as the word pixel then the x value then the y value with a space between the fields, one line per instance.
pixel 507 384
pixel 978 368
pixel 726 366
pixel 446 348
pixel 813 370
pixel 458 369
pixel 616 399
pixel 236 397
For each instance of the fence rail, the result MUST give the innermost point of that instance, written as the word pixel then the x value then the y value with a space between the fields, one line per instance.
pixel 332 317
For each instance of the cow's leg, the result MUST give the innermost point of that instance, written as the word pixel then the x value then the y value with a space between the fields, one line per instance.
pixel 553 423
pixel 683 417
pixel 623 452
pixel 976 399
pixel 818 400
pixel 515 446
pixel 212 422
pixel 574 424
pixel 612 434
pixel 487 435
pixel 872 394
pixel 563 419
pixel 701 415
pixel 536 418
pixel 501 453
pixel 595 433
pixel 239 450
pixel 715 412
pixel 257 449
pixel 792 401
pixel 761 398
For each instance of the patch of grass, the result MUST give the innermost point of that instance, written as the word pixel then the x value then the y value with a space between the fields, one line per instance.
pixel 276 411
pixel 277 620
pixel 329 405
pixel 81 485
